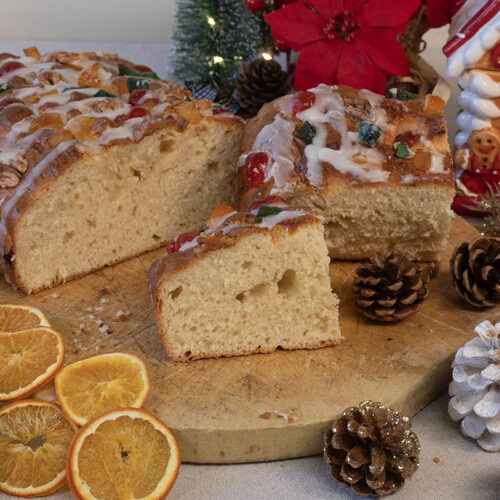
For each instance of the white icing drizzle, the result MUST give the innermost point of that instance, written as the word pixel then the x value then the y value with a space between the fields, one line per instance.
pixel 111 134
pixel 275 139
pixel 267 222
pixel 473 49
pixel 363 163
pixel 214 226
pixel 329 108
pixel 437 163
pixel 272 220
pixel 408 179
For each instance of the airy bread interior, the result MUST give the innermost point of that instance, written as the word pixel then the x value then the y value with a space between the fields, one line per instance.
pixel 128 199
pixel 271 289
pixel 360 222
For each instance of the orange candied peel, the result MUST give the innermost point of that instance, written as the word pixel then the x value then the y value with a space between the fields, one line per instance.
pixel 220 211
pixel 32 52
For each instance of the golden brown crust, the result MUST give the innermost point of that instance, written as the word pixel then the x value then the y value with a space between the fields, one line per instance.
pixel 260 350
pixel 422 116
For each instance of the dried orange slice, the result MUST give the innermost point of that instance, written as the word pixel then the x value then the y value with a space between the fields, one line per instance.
pixel 123 454
pixel 28 360
pixel 96 385
pixel 15 317
pixel 34 443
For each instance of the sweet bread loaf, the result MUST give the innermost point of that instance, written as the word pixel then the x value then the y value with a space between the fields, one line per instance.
pixel 249 283
pixel 100 160
pixel 378 171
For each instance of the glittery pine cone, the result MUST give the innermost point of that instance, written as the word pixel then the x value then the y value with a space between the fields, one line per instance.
pixel 259 82
pixel 390 289
pixel 371 449
pixel 475 268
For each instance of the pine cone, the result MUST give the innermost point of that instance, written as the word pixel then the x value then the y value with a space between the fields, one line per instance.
pixel 389 289
pixel 476 385
pixel 259 82
pixel 475 268
pixel 371 449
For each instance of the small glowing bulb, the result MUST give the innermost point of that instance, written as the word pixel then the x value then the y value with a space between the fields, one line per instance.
pixel 211 21
pixel 218 59
pixel 266 56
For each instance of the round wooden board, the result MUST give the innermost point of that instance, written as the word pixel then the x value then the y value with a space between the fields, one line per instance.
pixel 268 406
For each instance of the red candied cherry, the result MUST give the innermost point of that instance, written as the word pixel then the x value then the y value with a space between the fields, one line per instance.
pixel 255 166
pixel 7 102
pixel 10 66
pixel 136 96
pixel 272 200
pixel 134 113
pixel 409 138
pixel 175 245
pixel 137 113
pixel 255 5
pixel 301 101
pixel 144 69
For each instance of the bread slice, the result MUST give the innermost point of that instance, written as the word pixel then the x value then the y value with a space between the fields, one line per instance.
pixel 94 171
pixel 378 171
pixel 244 287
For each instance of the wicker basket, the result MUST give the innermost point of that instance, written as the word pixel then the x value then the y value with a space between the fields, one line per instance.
pixel 423 78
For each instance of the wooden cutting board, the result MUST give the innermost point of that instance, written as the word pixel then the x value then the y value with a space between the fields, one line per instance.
pixel 266 406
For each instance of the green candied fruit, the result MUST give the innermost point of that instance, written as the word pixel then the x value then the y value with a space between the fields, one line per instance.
pixel 137 83
pixel 266 211
pixel 307 133
pixel 105 93
pixel 369 133
pixel 402 95
pixel 4 87
pixel 129 71
pixel 402 150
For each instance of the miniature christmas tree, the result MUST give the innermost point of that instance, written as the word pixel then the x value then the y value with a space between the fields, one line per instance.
pixel 212 40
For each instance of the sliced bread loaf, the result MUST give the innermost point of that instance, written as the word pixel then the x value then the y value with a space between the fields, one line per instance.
pixel 378 171
pixel 250 283
pixel 100 161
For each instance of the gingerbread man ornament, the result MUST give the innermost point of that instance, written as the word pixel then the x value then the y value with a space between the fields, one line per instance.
pixel 480 160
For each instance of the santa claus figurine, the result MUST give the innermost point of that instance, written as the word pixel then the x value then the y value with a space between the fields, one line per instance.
pixel 473 52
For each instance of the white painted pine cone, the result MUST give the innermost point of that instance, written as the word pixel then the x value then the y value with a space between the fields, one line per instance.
pixel 475 388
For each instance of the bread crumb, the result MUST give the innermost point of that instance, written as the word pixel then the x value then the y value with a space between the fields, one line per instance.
pixel 437 460
pixel 287 418
pixel 266 415
pixel 122 315
pixel 56 295
pixel 104 328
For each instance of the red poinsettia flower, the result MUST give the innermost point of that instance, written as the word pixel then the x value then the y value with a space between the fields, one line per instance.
pixel 350 42
pixel 440 12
